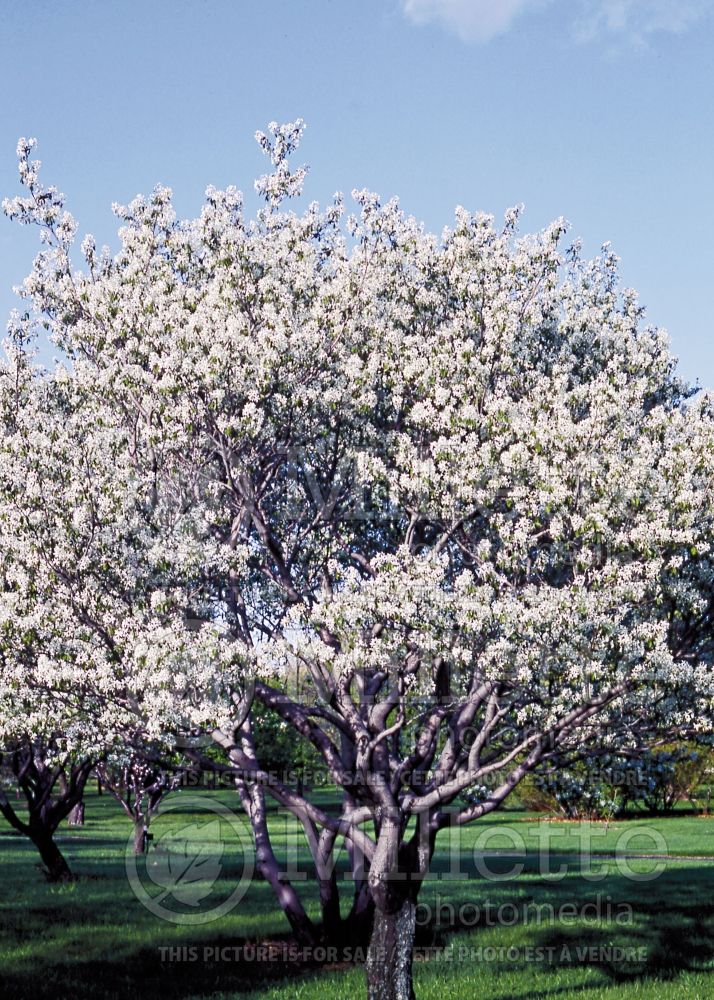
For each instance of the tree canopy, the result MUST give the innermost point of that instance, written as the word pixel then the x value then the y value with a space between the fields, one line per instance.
pixel 456 480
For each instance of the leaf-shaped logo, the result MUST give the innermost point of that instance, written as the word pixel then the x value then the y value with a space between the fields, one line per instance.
pixel 187 862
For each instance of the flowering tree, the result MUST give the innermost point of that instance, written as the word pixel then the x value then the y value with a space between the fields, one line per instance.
pixel 84 659
pixel 139 785
pixel 457 480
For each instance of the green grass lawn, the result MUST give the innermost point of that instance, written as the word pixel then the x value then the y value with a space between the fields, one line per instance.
pixel 649 925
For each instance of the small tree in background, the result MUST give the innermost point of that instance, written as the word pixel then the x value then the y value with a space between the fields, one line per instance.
pixel 51 782
pixel 139 785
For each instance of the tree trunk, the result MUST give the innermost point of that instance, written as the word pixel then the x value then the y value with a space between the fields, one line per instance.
pixel 76 815
pixel 357 927
pixel 56 867
pixel 330 901
pixel 141 837
pixel 389 959
pixel 395 876
pixel 322 848
pixel 253 799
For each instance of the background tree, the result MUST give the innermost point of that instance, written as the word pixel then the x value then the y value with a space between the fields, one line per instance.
pixel 51 782
pixel 139 785
pixel 84 670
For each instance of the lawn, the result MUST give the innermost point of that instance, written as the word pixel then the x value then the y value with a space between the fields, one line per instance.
pixel 559 924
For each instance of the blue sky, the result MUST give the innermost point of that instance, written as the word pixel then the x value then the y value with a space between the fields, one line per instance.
pixel 598 110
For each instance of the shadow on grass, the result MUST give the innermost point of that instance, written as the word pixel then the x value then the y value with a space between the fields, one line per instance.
pixel 652 931
pixel 670 919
